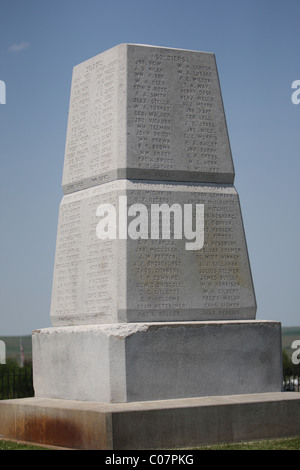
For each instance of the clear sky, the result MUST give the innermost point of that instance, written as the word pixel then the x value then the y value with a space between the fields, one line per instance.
pixel 256 43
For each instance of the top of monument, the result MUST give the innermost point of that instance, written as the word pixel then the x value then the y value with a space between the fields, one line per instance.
pixel 126 44
pixel 163 47
pixel 146 112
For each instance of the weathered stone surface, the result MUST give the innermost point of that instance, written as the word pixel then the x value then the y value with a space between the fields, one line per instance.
pixel 145 312
pixel 157 361
pixel 144 112
pixel 132 280
pixel 162 424
pixel 149 114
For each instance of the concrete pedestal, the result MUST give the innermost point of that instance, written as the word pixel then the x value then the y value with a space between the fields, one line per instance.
pixel 167 424
pixel 157 361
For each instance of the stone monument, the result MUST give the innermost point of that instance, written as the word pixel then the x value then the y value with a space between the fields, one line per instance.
pixel 154 340
pixel 153 300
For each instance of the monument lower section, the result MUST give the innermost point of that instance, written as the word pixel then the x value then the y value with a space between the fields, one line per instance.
pixel 133 251
pixel 164 424
pixel 157 361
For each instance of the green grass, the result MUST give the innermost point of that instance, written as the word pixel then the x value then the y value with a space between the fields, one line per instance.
pixel 11 445
pixel 292 443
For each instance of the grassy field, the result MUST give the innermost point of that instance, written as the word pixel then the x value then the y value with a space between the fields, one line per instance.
pixel 11 445
pixel 292 443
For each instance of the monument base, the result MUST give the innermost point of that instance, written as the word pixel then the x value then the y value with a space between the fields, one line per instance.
pixel 168 424
pixel 119 363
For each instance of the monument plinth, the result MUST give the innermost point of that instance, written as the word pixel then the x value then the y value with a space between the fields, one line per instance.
pixel 153 306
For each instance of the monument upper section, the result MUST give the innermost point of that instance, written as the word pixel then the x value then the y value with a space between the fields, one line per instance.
pixel 150 226
pixel 147 113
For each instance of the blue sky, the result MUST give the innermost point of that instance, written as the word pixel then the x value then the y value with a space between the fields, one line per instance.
pixel 257 50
